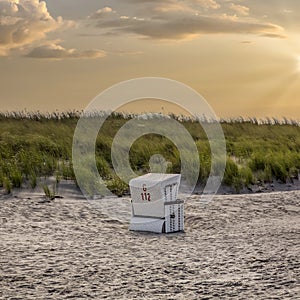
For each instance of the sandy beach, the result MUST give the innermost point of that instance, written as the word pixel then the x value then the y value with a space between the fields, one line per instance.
pixel 238 247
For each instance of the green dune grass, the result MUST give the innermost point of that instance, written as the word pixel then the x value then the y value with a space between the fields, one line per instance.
pixel 35 146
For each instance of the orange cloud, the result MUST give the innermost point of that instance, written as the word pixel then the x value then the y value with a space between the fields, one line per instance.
pixel 183 24
pixel 54 51
pixel 239 9
pixel 212 4
pixel 23 22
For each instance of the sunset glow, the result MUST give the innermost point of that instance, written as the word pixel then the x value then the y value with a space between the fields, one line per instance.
pixel 298 64
pixel 237 54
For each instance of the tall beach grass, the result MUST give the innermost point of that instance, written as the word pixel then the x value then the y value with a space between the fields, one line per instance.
pixel 36 145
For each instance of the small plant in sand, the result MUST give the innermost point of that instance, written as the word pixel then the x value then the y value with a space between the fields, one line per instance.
pixel 7 185
pixel 50 194
pixel 32 180
pixel 117 186
pixel 57 177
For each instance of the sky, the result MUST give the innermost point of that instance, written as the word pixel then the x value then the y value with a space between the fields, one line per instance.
pixel 242 56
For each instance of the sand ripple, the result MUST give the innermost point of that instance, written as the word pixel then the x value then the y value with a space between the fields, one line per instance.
pixel 239 247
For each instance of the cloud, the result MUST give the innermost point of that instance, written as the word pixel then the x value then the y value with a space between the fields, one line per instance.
pixel 274 35
pixel 185 24
pixel 239 9
pixel 126 52
pixel 105 11
pixel 204 3
pixel 151 1
pixel 23 22
pixel 246 42
pixel 24 25
pixel 54 51
pixel 208 4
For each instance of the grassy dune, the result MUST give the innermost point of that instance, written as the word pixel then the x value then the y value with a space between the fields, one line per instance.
pixel 35 146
